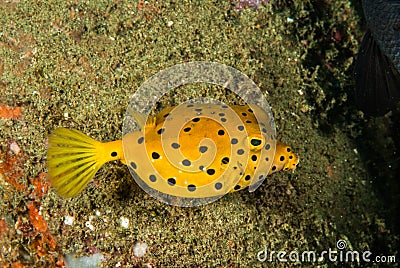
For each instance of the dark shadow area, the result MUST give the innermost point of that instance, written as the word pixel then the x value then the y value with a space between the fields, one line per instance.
pixel 379 146
pixel 377 139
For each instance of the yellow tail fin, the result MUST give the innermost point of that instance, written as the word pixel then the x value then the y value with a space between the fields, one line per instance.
pixel 74 158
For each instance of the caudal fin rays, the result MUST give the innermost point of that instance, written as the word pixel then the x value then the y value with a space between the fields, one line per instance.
pixel 73 160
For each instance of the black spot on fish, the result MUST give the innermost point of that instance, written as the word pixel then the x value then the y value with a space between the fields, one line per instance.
pixel 196 119
pixel 171 181
pixel 218 186
pixel 237 187
pixel 221 114
pixel 155 155
pixel 281 158
pixel 133 165
pixel 273 168
pixel 191 188
pixel 248 121
pixel 288 149
pixel 241 128
pixel 225 160
pixel 187 129
pixel 114 154
pixel 175 145
pixel 140 140
pixel 247 178
pixel 160 131
pixel 267 147
pixel 186 162
pixel 254 157
pixel 152 178
pixel 221 132
pixel 210 171
pixel 240 151
pixel 166 115
pixel 244 114
pixel 203 149
pixel 223 119
pixel 234 141
pixel 250 110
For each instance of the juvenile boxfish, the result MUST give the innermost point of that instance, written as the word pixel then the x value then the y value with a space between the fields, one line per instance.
pixel 198 158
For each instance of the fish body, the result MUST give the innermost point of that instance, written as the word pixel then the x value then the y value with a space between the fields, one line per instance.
pixel 187 151
pixel 377 69
pixel 383 19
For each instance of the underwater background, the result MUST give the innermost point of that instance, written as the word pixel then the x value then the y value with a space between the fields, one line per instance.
pixel 76 64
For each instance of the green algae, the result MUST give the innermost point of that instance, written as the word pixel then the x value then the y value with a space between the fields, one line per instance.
pixel 76 65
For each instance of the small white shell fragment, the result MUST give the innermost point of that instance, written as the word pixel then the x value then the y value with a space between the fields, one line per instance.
pixel 97 213
pixel 69 220
pixel 124 222
pixel 170 23
pixel 89 225
pixel 139 249
pixel 14 147
pixel 84 261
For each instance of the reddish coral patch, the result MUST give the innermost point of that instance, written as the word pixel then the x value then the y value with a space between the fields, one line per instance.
pixel 17 265
pixel 11 169
pixel 36 219
pixel 60 263
pixel 3 227
pixel 43 244
pixel 38 245
pixel 40 225
pixel 41 185
pixel 10 112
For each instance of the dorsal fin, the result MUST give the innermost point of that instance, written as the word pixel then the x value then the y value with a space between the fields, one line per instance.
pixel 142 119
pixel 151 121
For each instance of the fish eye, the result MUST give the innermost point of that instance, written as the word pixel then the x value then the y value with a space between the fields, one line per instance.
pixel 255 142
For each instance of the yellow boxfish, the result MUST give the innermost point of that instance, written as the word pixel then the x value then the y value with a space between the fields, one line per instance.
pixel 187 151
